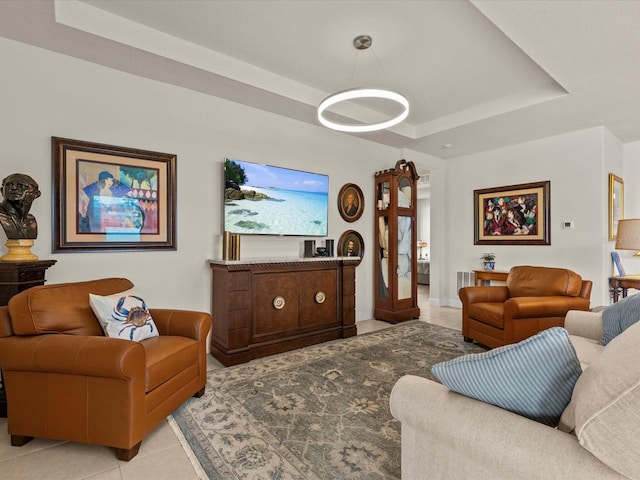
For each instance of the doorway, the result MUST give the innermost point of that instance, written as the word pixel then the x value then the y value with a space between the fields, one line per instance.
pixel 424 238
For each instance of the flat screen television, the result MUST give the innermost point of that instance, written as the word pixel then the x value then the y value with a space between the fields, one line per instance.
pixel 267 200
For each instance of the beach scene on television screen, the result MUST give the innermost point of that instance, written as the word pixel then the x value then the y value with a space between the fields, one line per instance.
pixel 268 200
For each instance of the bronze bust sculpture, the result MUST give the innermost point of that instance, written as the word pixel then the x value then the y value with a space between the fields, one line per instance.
pixel 18 192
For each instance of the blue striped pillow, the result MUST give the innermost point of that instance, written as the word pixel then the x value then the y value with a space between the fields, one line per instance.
pixel 619 316
pixel 533 378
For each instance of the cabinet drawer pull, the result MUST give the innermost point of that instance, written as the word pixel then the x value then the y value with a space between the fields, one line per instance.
pixel 278 303
pixel 320 297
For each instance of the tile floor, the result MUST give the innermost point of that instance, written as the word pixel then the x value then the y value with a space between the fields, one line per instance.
pixel 161 455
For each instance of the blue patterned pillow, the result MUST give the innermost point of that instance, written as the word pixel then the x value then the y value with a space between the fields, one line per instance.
pixel 533 378
pixel 619 316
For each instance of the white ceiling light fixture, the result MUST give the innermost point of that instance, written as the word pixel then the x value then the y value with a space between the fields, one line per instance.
pixel 363 42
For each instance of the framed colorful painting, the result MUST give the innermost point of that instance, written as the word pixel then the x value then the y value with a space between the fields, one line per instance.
pixel 513 215
pixel 109 198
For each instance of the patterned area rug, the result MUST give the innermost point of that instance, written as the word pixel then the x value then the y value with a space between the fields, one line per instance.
pixel 316 413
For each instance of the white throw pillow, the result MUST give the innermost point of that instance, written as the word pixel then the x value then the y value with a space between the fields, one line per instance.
pixel 124 315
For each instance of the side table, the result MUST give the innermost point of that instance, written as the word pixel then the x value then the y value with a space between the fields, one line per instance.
pixel 484 277
pixel 620 285
pixel 16 277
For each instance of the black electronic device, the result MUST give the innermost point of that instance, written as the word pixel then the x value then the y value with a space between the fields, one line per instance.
pixel 309 248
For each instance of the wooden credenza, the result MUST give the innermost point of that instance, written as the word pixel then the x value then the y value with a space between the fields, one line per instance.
pixel 262 307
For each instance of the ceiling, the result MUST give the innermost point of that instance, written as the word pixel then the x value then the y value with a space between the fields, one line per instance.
pixel 479 74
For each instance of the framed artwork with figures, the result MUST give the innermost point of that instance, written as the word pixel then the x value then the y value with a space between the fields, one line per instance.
pixel 513 215
pixel 109 198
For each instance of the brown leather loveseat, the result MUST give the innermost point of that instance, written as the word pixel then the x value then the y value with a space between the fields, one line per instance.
pixel 533 299
pixel 65 380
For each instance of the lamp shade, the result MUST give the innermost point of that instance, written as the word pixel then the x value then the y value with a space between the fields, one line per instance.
pixel 628 234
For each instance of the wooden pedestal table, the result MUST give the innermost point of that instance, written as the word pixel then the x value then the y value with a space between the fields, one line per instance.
pixel 16 277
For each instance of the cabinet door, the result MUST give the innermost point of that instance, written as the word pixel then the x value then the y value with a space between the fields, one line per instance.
pixel 275 302
pixel 231 307
pixel 318 297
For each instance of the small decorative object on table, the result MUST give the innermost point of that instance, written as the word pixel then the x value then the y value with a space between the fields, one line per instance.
pixel 231 246
pixel 18 193
pixel 489 261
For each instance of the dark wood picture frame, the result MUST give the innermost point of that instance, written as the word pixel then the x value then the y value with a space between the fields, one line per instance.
pixel 513 215
pixel 358 245
pixel 110 198
pixel 350 202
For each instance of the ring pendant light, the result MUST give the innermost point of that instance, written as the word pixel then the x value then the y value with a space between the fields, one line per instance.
pixel 358 93
pixel 363 42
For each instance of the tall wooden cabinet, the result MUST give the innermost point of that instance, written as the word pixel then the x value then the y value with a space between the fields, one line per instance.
pixel 396 267
pixel 262 307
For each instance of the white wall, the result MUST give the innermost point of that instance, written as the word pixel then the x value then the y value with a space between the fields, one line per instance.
pixel 613 154
pixel 631 172
pixel 45 94
pixel 577 165
pixel 631 178
pixel 424 223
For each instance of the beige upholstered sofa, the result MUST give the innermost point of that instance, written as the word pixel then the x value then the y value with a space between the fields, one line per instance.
pixel 446 435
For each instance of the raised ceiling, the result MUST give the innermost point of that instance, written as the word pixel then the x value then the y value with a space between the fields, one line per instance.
pixel 479 74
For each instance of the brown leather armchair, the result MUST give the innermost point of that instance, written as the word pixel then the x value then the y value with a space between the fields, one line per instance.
pixel 65 380
pixel 534 299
